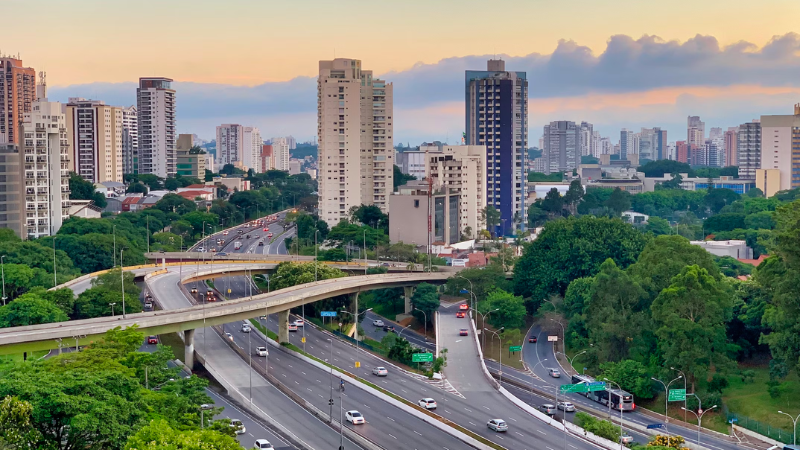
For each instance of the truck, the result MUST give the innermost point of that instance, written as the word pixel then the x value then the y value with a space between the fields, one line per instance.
pixel 237 245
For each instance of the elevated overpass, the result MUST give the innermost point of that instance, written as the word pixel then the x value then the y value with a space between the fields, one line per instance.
pixel 188 258
pixel 49 336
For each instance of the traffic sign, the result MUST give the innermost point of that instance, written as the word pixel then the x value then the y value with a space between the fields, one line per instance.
pixel 303 339
pixel 596 386
pixel 677 395
pixel 552 338
pixel 358 364
pixel 515 348
pixel 583 387
pixel 421 357
pixel 327 314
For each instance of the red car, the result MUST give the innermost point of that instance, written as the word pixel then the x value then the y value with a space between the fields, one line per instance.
pixel 461 314
pixel 463 306
pixel 266 229
pixel 463 332
pixel 152 339
pixel 532 339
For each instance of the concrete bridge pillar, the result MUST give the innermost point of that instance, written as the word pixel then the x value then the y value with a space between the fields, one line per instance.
pixel 408 292
pixel 188 342
pixel 283 326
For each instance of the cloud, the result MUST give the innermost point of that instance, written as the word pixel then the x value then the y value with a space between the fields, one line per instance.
pixel 427 96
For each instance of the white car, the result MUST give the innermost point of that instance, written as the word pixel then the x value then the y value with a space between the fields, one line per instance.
pixel 566 406
pixel 238 426
pixel 626 438
pixel 245 328
pixel 262 443
pixel 497 425
pixel 427 403
pixel 378 323
pixel 292 327
pixel 380 371
pixel 201 249
pixel 299 323
pixel 355 417
pixel 554 373
pixel 225 233
pixel 262 351
pixel 229 336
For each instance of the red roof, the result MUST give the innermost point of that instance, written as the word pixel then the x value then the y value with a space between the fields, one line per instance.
pixel 479 259
pixel 198 186
pixel 192 194
pixel 754 262
pixel 131 200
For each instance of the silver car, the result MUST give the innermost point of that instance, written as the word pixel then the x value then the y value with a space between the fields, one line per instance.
pixel 548 409
pixel 554 373
pixel 566 406
pixel 498 425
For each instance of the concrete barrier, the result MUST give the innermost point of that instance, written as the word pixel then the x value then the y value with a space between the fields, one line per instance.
pixel 486 373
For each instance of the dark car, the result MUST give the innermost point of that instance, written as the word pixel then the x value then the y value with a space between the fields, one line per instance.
pixel 532 339
pixel 260 243
pixel 152 339
pixel 222 254
pixel 388 328
pixel 463 332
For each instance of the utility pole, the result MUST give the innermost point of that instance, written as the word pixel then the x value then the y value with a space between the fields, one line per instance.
pixel 122 281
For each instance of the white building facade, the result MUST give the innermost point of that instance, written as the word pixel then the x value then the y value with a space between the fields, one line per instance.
pixel 130 140
pixel 155 103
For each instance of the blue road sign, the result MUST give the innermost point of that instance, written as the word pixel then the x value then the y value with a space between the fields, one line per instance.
pixel 464 291
pixel 327 314
pixel 655 425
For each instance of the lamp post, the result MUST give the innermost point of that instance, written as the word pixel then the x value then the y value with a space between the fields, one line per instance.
pixel 497 333
pixel 699 419
pixel 563 335
pixel 399 333
pixel 572 360
pixel 330 365
pixel 426 322
pixel 203 408
pixel 620 411
pixel 483 323
pixel 684 389
pixel 122 281
pixel 794 426
pixel 471 290
pixel 666 397
pixel 3 271
pixel 112 308
pixel 533 372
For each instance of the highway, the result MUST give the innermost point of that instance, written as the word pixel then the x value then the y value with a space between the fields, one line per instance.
pixel 533 354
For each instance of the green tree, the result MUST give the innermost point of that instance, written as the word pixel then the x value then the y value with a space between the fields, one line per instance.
pixel 370 215
pixel 171 184
pixel 716 199
pixel 137 188
pixel 536 215
pixel 619 201
pixel 553 203
pixel 759 220
pixel 724 222
pixel 543 177
pixel 574 196
pixel 510 309
pixel 616 314
pixel 658 226
pixel 400 178
pixel 16 424
pixel 107 289
pixel 159 435
pixel 18 279
pixel 631 375
pixel 755 193
pixel 175 203
pixel 664 166
pixel 573 248
pixel 674 183
pixel 665 257
pixel 490 217
pixel 426 299
pixel 30 309
pixel 482 280
pixel 690 317
pixel 80 189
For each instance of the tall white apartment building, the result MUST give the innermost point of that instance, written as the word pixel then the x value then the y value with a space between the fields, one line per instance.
pixel 587 140
pixel 251 149
pixel 354 125
pixel 230 142
pixel 462 168
pixel 748 149
pixel 280 153
pixel 94 130
pixel 46 150
pixel 155 102
pixel 130 140
pixel 780 149
pixel 562 141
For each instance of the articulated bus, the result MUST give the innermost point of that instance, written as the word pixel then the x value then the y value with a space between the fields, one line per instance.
pixel 619 399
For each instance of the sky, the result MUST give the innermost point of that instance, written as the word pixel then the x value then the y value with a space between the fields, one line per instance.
pixel 614 63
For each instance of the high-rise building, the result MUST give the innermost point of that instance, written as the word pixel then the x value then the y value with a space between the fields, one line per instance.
pixel 230 144
pixel 130 140
pixel 155 103
pixel 280 152
pixel 587 140
pixel 626 144
pixel 251 149
pixel 462 168
pixel 12 189
pixel 683 152
pixel 647 144
pixel 46 150
pixel 267 159
pixel 660 144
pixel 780 148
pixel 562 140
pixel 292 142
pixel 191 159
pixel 17 94
pixel 729 140
pixel 497 117
pixel 748 149
pixel 356 151
pixel 94 131
pixel 715 133
pixel 414 162
pixel 695 131
pixel 605 147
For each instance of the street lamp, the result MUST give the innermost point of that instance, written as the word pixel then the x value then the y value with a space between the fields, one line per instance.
pixel 794 426
pixel 563 334
pixel 497 333
pixel 471 290
pixel 684 389
pixel 112 308
pixel 571 360
pixel 401 330
pixel 620 411
pixel 203 408
pixel 699 419
pixel 122 281
pixel 483 323
pixel 426 322
pixel 533 372
pixel 666 397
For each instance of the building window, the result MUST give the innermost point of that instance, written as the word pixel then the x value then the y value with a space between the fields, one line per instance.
pixel 416 203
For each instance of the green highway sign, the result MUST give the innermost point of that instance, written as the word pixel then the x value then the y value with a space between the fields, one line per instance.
pixel 515 348
pixel 421 357
pixel 677 395
pixel 583 387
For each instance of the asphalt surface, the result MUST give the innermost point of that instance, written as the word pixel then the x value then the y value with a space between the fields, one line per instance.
pixel 377 333
pixel 535 355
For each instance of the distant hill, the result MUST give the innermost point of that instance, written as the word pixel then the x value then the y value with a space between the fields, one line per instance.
pixel 304 150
